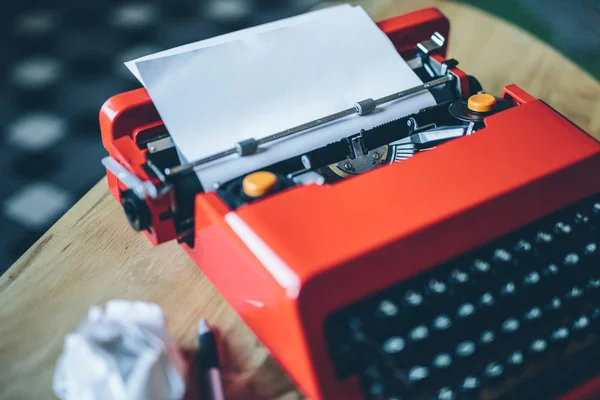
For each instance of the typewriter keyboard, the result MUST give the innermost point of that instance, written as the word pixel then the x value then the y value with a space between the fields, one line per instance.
pixel 518 318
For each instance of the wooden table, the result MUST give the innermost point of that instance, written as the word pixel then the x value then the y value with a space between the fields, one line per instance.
pixel 92 255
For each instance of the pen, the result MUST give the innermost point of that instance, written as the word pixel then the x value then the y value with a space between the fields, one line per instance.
pixel 208 360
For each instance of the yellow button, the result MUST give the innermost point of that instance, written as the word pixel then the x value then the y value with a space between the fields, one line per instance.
pixel 259 183
pixel 482 102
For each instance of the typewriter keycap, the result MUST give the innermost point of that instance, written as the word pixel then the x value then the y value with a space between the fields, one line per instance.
pixel 532 315
pixel 493 370
pixel 388 309
pixel 571 260
pixel 524 251
pixel 394 345
pixel 442 322
pixel 544 238
pixel 465 349
pixel 436 287
pixel 446 393
pixel 554 305
pixel 470 384
pixel 538 346
pixel 419 333
pixel 508 289
pixel 418 373
pixel 515 359
pixel 560 335
pixel 581 324
pixel 487 338
pixel 486 300
pixel 465 311
pixel 458 277
pixel 481 267
pixel 510 325
pixel 442 360
pixel 563 230
pixel 531 279
pixel 413 299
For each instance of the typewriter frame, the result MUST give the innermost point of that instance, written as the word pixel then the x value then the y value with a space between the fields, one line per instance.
pixel 287 311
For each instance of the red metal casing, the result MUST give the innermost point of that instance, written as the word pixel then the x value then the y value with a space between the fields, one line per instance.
pixel 286 262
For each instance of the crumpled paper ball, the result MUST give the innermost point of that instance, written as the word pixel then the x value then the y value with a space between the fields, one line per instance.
pixel 122 353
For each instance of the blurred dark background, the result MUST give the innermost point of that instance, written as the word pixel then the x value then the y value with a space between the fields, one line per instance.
pixel 62 59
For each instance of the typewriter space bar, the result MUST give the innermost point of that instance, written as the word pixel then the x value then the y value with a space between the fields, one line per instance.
pixel 562 377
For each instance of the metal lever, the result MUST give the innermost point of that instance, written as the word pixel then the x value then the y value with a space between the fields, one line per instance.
pixel 142 189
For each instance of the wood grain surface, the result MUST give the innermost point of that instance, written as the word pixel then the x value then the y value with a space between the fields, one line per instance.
pixel 91 255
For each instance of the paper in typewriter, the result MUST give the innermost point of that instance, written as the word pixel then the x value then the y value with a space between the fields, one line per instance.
pixel 266 80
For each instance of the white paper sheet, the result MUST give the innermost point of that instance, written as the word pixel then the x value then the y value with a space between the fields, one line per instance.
pixel 266 81
pixel 132 65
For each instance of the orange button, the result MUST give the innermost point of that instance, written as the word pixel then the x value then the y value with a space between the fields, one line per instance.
pixel 259 183
pixel 482 102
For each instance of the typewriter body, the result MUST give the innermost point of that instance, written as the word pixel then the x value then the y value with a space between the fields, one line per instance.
pixel 453 253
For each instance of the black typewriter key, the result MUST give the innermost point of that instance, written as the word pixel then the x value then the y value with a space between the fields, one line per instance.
pixel 487 338
pixel 413 301
pixel 515 360
pixel 544 239
pixel 486 346
pixel 493 371
pixel 571 268
pixel 481 267
pixel 554 305
pixel 532 315
pixel 560 336
pixel 486 301
pixel 417 375
pixel 553 312
pixel 470 385
pixel 458 278
pixel 442 323
pixel 574 298
pixel 551 276
pixel 387 317
pixel 571 260
pixel 538 347
pixel 507 295
pixel 531 280
pixel 465 349
pixel 510 326
pixel 524 251
pixel 467 318
pixel 387 309
pixel 501 256
pixel 446 393
pixel 460 284
pixel 563 230
pixel 442 361
pixel 465 312
pixel 435 289
pixel 419 333
pixel 580 326
pixel 393 345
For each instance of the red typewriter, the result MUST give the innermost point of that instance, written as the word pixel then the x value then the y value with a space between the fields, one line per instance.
pixel 450 254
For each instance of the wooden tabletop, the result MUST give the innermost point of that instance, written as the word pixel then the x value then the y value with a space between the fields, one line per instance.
pixel 92 255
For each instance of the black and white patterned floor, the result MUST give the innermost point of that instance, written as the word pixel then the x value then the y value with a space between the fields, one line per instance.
pixel 59 62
